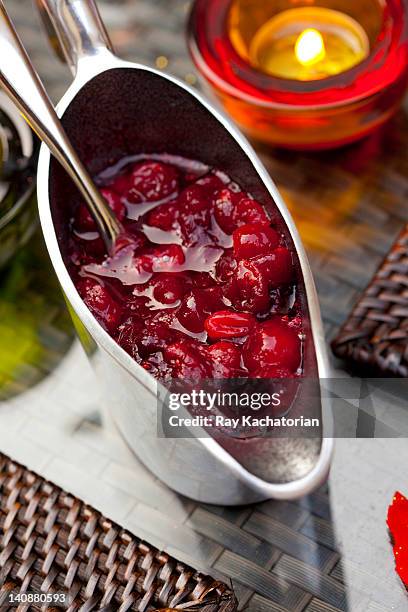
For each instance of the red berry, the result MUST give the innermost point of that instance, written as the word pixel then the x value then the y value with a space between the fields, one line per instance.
pixel 162 258
pixel 84 221
pixel 94 248
pixel 186 360
pixel 249 211
pixel 168 288
pixel 191 313
pixel 277 267
pixel 202 280
pixel 211 183
pixel 135 239
pixel 115 203
pixel 152 181
pixel 130 334
pixel 225 266
pixel 212 299
pixel 224 206
pixel 101 303
pixel 272 343
pixel 143 263
pixel 196 306
pixel 121 184
pixel 194 213
pixel 195 201
pixel 228 324
pixel 226 360
pixel 250 291
pixel 164 217
pixel 138 306
pixel 168 257
pixel 254 239
pixel 158 333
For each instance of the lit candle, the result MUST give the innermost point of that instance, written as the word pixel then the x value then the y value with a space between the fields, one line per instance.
pixel 308 43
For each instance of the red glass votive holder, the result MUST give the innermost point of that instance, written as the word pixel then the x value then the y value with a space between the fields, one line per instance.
pixel 301 113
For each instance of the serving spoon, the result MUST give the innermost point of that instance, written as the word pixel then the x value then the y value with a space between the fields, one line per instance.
pixel 23 85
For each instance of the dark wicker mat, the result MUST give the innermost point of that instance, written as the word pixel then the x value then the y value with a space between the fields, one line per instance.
pixel 51 542
pixel 376 334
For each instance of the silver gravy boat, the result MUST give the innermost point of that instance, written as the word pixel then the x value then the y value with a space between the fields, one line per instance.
pixel 113 109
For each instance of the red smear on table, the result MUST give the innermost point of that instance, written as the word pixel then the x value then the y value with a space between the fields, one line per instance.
pixel 397 521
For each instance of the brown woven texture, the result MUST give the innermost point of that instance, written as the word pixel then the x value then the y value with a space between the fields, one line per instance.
pixel 376 334
pixel 51 542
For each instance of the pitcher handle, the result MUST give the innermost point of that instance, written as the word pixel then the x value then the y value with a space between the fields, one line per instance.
pixel 75 29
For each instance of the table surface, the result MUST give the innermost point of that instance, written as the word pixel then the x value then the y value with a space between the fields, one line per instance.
pixel 329 551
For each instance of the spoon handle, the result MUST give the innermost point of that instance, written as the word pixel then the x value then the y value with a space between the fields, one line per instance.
pixel 75 29
pixel 23 85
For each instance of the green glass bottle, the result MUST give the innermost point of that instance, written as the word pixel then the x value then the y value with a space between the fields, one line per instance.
pixel 18 153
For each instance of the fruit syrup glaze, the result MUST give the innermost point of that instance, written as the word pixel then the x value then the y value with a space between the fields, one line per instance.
pixel 205 290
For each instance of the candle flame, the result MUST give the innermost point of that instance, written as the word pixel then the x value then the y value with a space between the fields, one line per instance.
pixel 309 48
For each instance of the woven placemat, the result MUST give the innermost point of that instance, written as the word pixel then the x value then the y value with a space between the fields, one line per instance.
pixel 51 542
pixel 375 336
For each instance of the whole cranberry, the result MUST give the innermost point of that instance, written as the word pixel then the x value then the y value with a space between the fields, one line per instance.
pixel 225 266
pixel 138 305
pixel 94 247
pixel 152 181
pixel 202 280
pixel 272 343
pixel 277 266
pixel 212 299
pixel 197 305
pixel 164 217
pixel 166 257
pixel 122 183
pixel 225 202
pixel 115 203
pixel 101 303
pixel 194 209
pixel 254 239
pixel 168 288
pixel 226 360
pixel 211 183
pixel 249 211
pixel 191 313
pixel 158 333
pixel 229 324
pixel 84 221
pixel 130 334
pixel 186 360
pixel 249 288
pixel 143 263
pixel 79 256
pixel 134 239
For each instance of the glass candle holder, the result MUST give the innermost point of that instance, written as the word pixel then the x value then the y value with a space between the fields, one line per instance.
pixel 303 74
pixel 18 203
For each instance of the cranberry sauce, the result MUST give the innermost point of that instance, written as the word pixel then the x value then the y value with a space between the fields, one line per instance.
pixel 206 289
